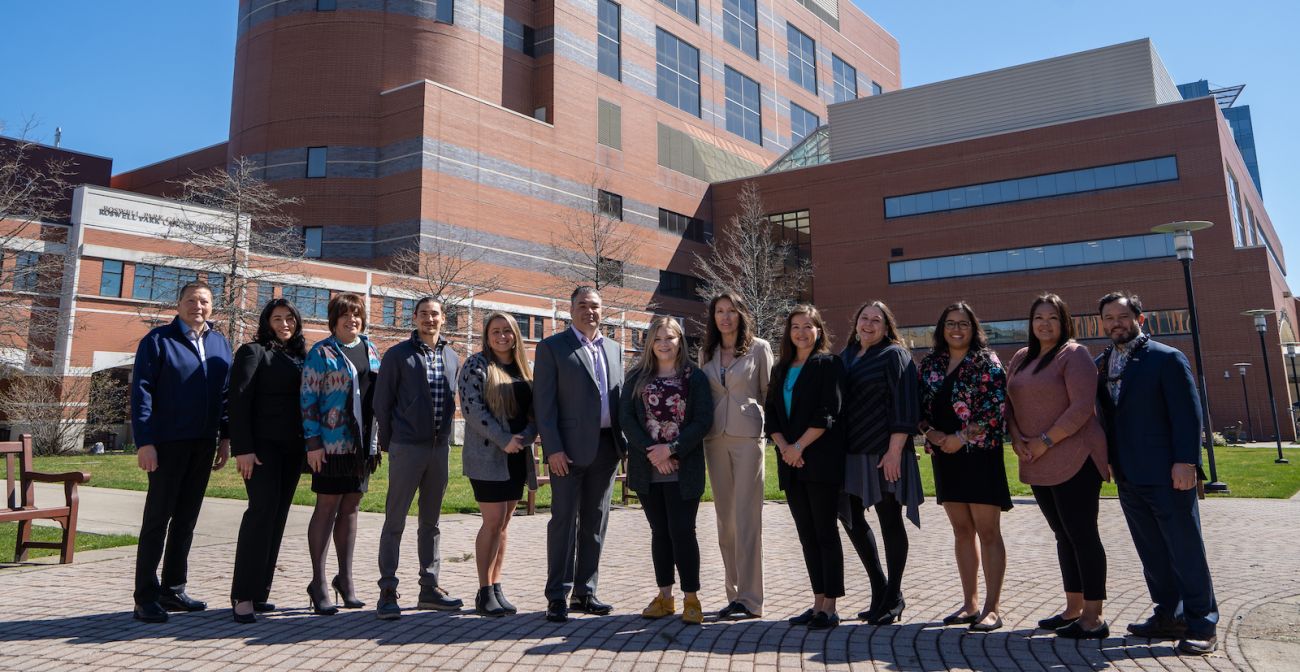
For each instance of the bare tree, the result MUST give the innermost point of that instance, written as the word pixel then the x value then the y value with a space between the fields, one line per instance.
pixel 593 245
pixel 448 266
pixel 252 239
pixel 48 407
pixel 757 260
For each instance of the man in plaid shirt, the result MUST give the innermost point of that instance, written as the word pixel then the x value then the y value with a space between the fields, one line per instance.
pixel 415 402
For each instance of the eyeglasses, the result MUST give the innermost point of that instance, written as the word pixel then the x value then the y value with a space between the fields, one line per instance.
pixel 962 326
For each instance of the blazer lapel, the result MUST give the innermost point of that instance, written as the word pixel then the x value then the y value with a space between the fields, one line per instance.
pixel 610 349
pixel 584 356
pixel 713 367
pixel 1134 362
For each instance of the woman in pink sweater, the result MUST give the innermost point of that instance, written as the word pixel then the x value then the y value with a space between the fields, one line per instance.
pixel 1052 419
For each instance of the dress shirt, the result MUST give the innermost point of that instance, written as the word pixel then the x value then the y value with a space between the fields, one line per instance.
pixel 596 350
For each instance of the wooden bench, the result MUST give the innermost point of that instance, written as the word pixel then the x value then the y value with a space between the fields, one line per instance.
pixel 20 500
pixel 544 477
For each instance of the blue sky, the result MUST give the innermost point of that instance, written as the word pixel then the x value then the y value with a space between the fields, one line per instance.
pixel 143 80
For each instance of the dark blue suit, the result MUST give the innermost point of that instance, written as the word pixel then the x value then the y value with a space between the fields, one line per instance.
pixel 1155 424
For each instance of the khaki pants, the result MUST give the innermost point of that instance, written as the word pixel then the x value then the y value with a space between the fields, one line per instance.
pixel 736 473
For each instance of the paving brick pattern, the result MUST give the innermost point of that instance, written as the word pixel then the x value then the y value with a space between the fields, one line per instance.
pixel 65 616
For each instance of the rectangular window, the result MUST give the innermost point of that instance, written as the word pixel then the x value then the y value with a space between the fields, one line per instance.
pixel 312 236
pixel 609 39
pixel 802 122
pixel 609 272
pixel 677 72
pixel 389 311
pixel 690 228
pixel 740 25
pixel 312 302
pixel 395 311
pixel 326 5
pixel 160 283
pixel 217 282
pixel 609 204
pixel 316 161
pixel 846 79
pixel 445 11
pixel 1083 253
pixel 1239 235
pixel 678 285
pixel 517 36
pixel 26 275
pixel 744 107
pixel 803 58
pixel 609 130
pixel 265 292
pixel 1148 171
pixel 795 227
pixel 686 8
pixel 110 278
pixel 876 89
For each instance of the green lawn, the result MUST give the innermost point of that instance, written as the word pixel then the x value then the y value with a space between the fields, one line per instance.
pixel 85 542
pixel 1249 472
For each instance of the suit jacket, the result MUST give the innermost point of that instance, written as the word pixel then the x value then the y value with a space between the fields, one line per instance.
pixel 263 402
pixel 403 402
pixel 566 398
pixel 1157 420
pixel 690 442
pixel 738 405
pixel 815 402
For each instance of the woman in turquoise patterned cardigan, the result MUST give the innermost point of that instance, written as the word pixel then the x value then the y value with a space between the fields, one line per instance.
pixel 337 421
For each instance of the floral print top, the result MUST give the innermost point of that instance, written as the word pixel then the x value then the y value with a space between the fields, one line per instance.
pixel 665 406
pixel 979 395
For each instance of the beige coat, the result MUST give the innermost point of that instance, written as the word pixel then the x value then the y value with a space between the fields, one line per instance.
pixel 738 407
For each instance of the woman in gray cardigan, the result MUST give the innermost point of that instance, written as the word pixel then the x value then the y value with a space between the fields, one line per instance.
pixel 496 398
pixel 665 411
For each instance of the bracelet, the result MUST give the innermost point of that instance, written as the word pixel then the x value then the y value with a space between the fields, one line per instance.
pixel 1047 440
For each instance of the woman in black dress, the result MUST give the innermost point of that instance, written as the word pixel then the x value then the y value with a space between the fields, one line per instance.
pixel 266 440
pixel 963 399
pixel 496 398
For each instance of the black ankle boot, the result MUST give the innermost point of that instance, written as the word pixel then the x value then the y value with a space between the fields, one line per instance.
pixel 485 603
pixel 501 600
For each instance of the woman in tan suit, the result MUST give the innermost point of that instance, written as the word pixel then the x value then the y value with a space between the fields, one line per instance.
pixel 738 366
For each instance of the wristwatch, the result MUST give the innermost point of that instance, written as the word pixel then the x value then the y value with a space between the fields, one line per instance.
pixel 672 447
pixel 1047 440
pixel 796 445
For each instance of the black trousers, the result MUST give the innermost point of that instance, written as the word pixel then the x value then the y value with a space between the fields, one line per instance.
pixel 886 591
pixel 672 535
pixel 814 507
pixel 1071 511
pixel 170 510
pixel 270 493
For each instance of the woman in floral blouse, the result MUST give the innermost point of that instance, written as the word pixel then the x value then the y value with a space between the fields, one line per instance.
pixel 963 398
pixel 666 410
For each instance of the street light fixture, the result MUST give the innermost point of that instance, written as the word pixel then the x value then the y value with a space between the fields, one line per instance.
pixel 1183 248
pixel 1250 424
pixel 1261 325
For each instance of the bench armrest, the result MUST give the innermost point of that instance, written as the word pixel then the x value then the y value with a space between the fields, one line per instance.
pixel 66 477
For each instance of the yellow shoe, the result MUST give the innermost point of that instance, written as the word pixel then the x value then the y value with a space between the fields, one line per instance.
pixel 691 611
pixel 659 607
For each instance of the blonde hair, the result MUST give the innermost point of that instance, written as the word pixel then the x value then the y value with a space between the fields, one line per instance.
pixel 499 388
pixel 648 365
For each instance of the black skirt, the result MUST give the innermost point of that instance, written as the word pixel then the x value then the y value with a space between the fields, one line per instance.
pixel 968 476
pixel 509 490
pixel 344 476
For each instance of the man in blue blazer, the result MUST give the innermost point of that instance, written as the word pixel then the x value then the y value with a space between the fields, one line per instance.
pixel 577 379
pixel 178 410
pixel 1152 416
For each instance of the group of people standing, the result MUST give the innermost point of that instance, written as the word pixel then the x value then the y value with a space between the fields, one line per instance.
pixel 843 426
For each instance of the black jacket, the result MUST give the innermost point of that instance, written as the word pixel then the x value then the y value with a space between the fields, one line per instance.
pixel 263 404
pixel 690 442
pixel 816 401
pixel 880 397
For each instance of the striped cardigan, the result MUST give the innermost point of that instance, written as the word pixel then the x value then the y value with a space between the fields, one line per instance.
pixel 330 399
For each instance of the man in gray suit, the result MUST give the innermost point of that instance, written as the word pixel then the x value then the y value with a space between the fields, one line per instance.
pixel 576 383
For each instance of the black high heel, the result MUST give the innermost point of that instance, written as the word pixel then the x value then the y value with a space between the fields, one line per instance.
pixel 889 616
pixel 320 605
pixel 349 602
pixel 250 617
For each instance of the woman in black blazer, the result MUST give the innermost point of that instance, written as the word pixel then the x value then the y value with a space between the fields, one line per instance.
pixel 266 440
pixel 802 411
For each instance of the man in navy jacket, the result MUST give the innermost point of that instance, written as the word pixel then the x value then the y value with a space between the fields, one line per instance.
pixel 1152 416
pixel 178 411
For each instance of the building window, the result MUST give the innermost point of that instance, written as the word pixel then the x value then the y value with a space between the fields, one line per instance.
pixel 744 107
pixel 740 25
pixel 265 292
pixel 217 282
pixel 876 89
pixel 316 161
pixel 1086 327
pixel 802 122
pixel 609 126
pixel 312 302
pixel 396 310
pixel 27 272
pixel 609 272
pixel 846 79
pixel 1085 253
pixel 530 326
pixel 609 204
pixel 690 228
pixel 1113 176
pixel 110 278
pixel 609 39
pixel 678 285
pixel 803 58
pixel 1239 235
pixel 312 236
pixel 445 11
pixel 610 331
pixel 160 283
pixel 326 5
pixel 677 72
pixel 796 228
pixel 686 8
pixel 517 36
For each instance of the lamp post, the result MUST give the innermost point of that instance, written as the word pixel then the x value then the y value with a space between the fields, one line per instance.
pixel 1261 325
pixel 1183 248
pixel 1291 353
pixel 1250 425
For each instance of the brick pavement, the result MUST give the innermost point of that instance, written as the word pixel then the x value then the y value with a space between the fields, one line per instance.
pixel 58 617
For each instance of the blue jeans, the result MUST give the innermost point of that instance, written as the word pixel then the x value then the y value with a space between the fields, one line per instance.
pixel 1166 528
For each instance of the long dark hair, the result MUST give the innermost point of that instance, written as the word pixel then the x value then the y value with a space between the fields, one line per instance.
pixel 296 346
pixel 822 344
pixel 713 335
pixel 979 340
pixel 891 324
pixel 1067 332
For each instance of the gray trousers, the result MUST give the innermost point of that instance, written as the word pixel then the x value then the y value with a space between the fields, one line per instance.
pixel 411 468
pixel 579 517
